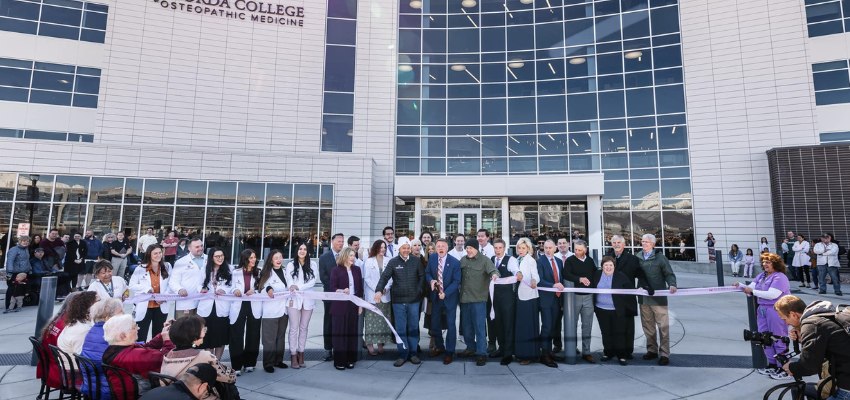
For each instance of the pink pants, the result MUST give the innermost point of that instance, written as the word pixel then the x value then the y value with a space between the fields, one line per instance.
pixel 299 320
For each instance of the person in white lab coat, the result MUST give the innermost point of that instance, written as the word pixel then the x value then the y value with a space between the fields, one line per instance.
pixel 218 279
pixel 301 274
pixel 151 277
pixel 273 280
pixel 245 316
pixel 106 285
pixel 187 277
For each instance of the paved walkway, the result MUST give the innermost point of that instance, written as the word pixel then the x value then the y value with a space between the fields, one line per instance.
pixel 705 331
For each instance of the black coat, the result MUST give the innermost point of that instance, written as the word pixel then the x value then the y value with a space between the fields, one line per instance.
pixel 408 279
pixel 625 305
pixel 629 265
pixel 71 254
pixel 327 263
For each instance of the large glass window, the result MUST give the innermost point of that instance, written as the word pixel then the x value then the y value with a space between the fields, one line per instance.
pixel 66 19
pixel 337 130
pixel 261 221
pixel 48 83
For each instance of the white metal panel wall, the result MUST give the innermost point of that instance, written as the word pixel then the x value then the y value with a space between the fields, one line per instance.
pixel 748 89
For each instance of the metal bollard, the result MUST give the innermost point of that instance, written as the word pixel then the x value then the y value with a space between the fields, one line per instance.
pixel 46 301
pixel 718 259
pixel 360 332
pixel 570 330
pixel 759 359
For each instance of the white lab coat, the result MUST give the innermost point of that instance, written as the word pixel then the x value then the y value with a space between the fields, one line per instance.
pixel 303 285
pixel 187 276
pixel 801 254
pixel 118 288
pixel 277 308
pixel 222 307
pixel 371 276
pixel 235 306
pixel 528 268
pixel 140 283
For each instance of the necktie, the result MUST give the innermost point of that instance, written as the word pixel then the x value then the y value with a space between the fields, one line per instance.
pixel 498 262
pixel 391 249
pixel 563 258
pixel 555 272
pixel 440 275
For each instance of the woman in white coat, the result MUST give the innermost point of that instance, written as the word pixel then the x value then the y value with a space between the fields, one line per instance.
pixel 527 331
pixel 802 260
pixel 273 280
pixel 245 316
pixel 105 284
pixel 217 279
pixel 151 277
pixel 376 329
pixel 301 273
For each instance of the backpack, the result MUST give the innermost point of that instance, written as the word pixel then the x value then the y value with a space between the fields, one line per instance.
pixel 826 383
pixel 841 250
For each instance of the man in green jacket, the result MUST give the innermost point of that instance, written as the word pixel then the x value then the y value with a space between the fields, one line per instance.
pixel 476 273
pixel 653 310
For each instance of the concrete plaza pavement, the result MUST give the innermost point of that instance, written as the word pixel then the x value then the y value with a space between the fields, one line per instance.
pixel 707 328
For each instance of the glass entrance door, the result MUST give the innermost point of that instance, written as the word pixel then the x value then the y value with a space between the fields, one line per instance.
pixel 457 221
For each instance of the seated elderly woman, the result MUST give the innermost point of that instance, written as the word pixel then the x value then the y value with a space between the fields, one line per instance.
pixel 121 333
pixel 187 333
pixel 77 324
pixel 94 344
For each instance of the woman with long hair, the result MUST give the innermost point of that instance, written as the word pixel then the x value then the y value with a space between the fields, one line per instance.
pixel 77 324
pixel 736 259
pixel 34 244
pixel 217 279
pixel 345 278
pixel 245 316
pixel 527 332
pixel 302 277
pixel 710 242
pixel 763 245
pixel 273 280
pixel 151 277
pixel 376 329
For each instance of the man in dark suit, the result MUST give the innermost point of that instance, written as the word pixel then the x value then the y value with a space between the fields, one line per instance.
pixel 550 269
pixel 327 262
pixel 629 265
pixel 443 274
pixel 504 304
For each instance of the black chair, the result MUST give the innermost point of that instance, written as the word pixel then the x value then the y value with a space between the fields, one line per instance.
pixel 90 374
pixel 158 379
pixel 44 359
pixel 67 374
pixel 123 376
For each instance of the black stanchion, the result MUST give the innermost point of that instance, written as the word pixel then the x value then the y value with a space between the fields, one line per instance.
pixel 759 359
pixel 46 300
pixel 718 259
pixel 570 331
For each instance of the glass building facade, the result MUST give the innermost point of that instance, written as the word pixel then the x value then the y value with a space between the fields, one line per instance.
pixel 510 87
pixel 232 215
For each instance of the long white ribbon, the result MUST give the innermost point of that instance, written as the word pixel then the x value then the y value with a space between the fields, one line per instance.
pixel 637 292
pixel 262 296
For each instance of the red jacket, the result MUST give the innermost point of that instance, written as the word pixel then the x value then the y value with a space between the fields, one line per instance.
pixel 138 359
pixel 50 338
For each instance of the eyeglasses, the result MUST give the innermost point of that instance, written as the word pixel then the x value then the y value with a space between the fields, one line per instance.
pixel 219 256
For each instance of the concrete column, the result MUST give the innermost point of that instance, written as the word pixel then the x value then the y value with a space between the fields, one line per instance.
pixel 417 217
pixel 594 222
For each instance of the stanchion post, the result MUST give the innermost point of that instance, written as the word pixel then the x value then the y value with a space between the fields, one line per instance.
pixel 360 332
pixel 46 300
pixel 718 259
pixel 570 334
pixel 759 359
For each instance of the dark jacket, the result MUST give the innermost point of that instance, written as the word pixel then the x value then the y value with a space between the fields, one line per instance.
pixel 339 280
pixel 327 262
pixel 174 391
pixel 625 305
pixel 629 265
pixel 823 338
pixel 39 266
pixel 576 269
pixel 73 249
pixel 93 347
pixel 547 279
pixel 95 248
pixel 659 275
pixel 408 278
pixel 451 278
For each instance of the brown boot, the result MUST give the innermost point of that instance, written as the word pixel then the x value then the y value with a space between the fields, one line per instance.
pixel 301 359
pixel 295 362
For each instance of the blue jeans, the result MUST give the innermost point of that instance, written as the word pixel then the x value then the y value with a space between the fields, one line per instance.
pixel 474 320
pixel 841 395
pixel 833 273
pixel 407 326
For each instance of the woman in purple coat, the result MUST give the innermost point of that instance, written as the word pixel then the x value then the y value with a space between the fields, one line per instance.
pixel 768 287
pixel 345 278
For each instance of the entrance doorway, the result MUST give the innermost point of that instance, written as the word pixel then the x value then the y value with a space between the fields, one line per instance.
pixel 463 221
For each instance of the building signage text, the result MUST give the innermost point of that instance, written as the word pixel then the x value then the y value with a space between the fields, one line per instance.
pixel 245 10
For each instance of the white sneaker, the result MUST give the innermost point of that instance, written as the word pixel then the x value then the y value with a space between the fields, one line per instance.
pixel 781 376
pixel 768 371
pixel 460 339
pixel 249 369
pixel 238 372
